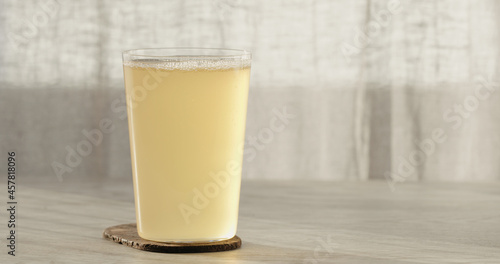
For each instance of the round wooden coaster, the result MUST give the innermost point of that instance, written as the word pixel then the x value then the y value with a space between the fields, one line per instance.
pixel 127 235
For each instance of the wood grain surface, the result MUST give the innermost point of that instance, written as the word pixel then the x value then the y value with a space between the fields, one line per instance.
pixel 126 234
pixel 280 222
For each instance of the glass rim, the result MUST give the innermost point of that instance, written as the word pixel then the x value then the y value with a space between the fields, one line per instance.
pixel 187 52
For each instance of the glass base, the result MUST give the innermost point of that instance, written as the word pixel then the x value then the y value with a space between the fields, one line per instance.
pixel 190 241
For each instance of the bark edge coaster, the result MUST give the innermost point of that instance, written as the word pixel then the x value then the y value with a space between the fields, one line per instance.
pixel 126 234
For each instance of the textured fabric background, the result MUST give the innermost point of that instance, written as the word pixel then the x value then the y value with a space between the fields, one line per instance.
pixel 366 86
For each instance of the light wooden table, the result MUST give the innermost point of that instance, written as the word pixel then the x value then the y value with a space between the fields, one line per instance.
pixel 280 222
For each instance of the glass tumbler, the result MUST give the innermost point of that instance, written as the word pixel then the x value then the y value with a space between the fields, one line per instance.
pixel 186 114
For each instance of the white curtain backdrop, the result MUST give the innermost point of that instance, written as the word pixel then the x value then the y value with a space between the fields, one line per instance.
pixel 375 87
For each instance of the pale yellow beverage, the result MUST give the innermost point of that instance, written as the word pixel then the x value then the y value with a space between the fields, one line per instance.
pixel 187 125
